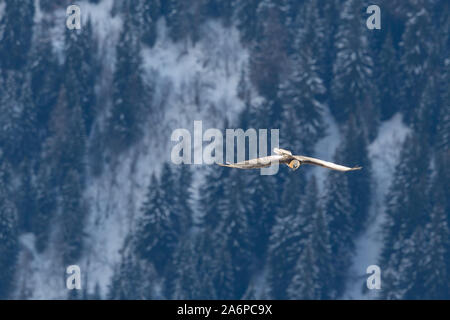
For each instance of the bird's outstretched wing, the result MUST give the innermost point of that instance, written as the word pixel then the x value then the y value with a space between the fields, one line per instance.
pixel 325 164
pixel 254 163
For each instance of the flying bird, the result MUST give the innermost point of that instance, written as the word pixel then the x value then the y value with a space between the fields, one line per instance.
pixel 286 157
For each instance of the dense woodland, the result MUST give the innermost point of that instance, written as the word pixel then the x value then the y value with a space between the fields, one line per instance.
pixel 62 120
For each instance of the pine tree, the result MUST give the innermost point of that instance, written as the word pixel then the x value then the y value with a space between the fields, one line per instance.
pixel 386 71
pixel 151 12
pixel 128 89
pixel 18 121
pixel 212 196
pixel 133 278
pixel 8 231
pixel 184 19
pixel 246 13
pixel 191 280
pixel 26 199
pixel 305 283
pixel 300 92
pixel 437 242
pixel 354 153
pixel 407 212
pixel 16 28
pixel 416 46
pixel 45 77
pixel 234 229
pixel 265 205
pixel 80 71
pixel 181 196
pixel 46 206
pixel 312 271
pixel 353 66
pixel 287 234
pixel 341 215
pixel 156 238
pixel 268 54
pixel 73 216
pixel 219 9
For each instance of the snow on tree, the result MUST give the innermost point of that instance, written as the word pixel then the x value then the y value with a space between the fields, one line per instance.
pixel 8 231
pixel 16 30
pixel 353 65
pixel 313 269
pixel 156 238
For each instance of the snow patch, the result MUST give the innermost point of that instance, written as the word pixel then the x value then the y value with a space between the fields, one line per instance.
pixel 384 153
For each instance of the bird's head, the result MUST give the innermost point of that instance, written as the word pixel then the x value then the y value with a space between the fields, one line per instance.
pixel 294 164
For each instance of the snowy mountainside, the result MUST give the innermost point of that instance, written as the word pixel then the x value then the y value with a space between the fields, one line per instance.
pixel 178 71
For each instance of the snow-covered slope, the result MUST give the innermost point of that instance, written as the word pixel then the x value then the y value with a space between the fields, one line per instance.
pixel 177 71
pixel 384 153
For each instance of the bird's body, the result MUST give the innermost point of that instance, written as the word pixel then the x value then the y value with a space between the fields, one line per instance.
pixel 287 158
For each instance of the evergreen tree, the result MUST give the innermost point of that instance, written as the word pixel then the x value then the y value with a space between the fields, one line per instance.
pixel 341 225
pixel 353 66
pixel 192 279
pixel 305 283
pixel 416 47
pixel 151 12
pixel 268 54
pixel 212 196
pixel 219 9
pixel 313 270
pixel 265 204
pixel 16 28
pixel 80 71
pixel 436 256
pixel 129 93
pixel 18 121
pixel 428 113
pixel 181 197
pixel 234 230
pixel 246 14
pixel 8 231
pixel 386 71
pixel 354 153
pixel 26 199
pixel 287 234
pixel 45 77
pixel 133 278
pixel 184 19
pixel 156 238
pixel 300 92
pixel 46 206
pixel 407 213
